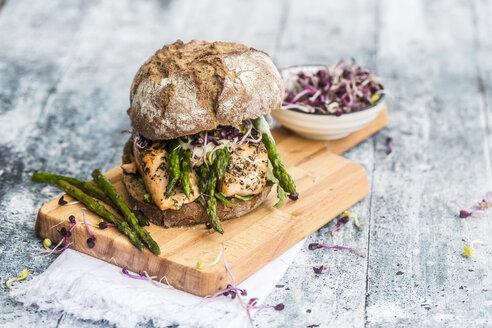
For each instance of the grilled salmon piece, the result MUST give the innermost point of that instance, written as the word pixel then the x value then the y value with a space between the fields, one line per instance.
pixel 246 171
pixel 152 163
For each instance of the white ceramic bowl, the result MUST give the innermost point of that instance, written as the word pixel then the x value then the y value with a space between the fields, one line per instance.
pixel 323 126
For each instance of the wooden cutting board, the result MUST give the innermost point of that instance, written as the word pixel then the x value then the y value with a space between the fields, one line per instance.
pixel 327 183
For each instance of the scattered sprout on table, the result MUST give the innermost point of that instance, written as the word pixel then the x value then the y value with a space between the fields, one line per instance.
pixel 321 269
pixel 22 276
pixel 314 246
pixel 477 209
pixel 340 222
pixel 317 268
pixel 234 292
pixel 470 251
pixel 390 150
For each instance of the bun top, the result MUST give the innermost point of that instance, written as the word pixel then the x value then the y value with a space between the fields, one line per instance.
pixel 185 88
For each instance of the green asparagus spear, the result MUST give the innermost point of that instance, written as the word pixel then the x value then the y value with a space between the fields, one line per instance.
pixel 185 173
pixel 86 187
pixel 130 217
pixel 212 201
pixel 174 167
pixel 203 182
pixel 212 214
pixel 221 161
pixel 100 210
pixel 285 180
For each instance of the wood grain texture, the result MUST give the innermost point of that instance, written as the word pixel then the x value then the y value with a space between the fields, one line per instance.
pixel 328 184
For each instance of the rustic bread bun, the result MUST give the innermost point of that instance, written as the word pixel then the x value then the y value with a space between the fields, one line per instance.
pixel 185 88
pixel 189 214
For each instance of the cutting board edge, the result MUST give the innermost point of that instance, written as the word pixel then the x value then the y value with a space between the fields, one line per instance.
pixel 209 281
pixel 360 175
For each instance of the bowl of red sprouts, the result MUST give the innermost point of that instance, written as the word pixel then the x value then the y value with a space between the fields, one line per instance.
pixel 329 102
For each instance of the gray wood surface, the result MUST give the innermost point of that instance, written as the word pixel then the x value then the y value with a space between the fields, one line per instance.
pixel 65 71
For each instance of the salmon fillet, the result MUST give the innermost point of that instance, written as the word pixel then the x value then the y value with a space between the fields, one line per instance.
pixel 246 171
pixel 152 163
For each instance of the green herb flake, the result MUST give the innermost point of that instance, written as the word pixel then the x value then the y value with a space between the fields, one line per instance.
pixel 147 198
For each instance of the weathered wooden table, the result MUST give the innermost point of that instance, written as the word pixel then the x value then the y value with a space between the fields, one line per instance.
pixel 65 72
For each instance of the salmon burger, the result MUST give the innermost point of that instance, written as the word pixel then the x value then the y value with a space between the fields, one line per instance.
pixel 200 149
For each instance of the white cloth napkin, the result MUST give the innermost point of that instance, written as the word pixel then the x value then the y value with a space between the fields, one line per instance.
pixel 92 289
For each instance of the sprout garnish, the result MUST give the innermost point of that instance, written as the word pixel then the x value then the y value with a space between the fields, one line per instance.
pixel 201 266
pixel 338 89
pixel 91 241
pixel 317 268
pixel 143 275
pixel 22 276
pixel 63 202
pixel 390 150
pixel 314 246
pixel 470 251
pixel 203 145
pixel 340 222
pixel 233 291
pixel 477 209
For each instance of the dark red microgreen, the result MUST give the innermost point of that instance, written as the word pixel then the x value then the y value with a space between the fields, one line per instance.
pixel 66 234
pixel 134 276
pixel 343 219
pixel 139 141
pixel 91 242
pixel 62 201
pixel 389 144
pixel 340 222
pixel 71 218
pixel 63 231
pixel 314 246
pixel 294 196
pixel 279 307
pixel 104 225
pixel 477 209
pixel 320 270
pixel 389 151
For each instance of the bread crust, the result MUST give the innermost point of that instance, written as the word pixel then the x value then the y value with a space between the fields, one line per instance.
pixel 189 214
pixel 185 88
